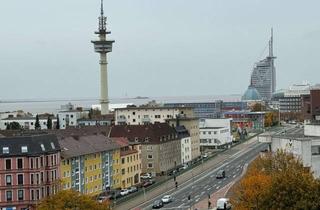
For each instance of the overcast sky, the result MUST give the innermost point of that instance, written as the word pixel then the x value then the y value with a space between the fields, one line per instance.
pixel 162 48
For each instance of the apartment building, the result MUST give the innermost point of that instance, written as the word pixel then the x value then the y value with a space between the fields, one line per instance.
pixel 149 114
pixel 160 145
pixel 29 170
pixel 88 163
pixel 130 154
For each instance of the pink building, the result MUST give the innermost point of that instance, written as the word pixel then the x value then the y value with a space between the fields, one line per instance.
pixel 29 170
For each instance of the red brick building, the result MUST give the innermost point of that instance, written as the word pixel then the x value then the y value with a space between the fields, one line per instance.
pixel 29 170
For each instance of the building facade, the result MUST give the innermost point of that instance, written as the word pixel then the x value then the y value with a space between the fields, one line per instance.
pixel 147 114
pixel 246 119
pixel 263 76
pixel 215 133
pixel 27 122
pixel 29 170
pixel 184 136
pixel 192 125
pixel 160 145
pixel 89 164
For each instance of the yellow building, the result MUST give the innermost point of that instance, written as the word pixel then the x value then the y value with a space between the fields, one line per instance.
pixel 88 163
pixel 130 163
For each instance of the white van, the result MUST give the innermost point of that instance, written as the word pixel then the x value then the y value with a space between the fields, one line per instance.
pixel 223 204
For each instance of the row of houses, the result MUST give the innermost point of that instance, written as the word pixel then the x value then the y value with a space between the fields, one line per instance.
pixel 91 160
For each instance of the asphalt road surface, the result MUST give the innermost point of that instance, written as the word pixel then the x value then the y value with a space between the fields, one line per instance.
pixel 206 183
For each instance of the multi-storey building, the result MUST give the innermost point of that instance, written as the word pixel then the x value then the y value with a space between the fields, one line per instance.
pixel 215 133
pixel 88 163
pixel 246 119
pixel 201 109
pixel 184 136
pixel 130 154
pixel 27 122
pixel 160 145
pixel 192 125
pixel 29 170
pixel 311 105
pixel 263 76
pixel 146 114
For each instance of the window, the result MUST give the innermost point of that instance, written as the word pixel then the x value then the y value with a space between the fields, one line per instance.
pixel 150 156
pixel 52 145
pixel 8 180
pixel 20 195
pixel 9 195
pixel 123 171
pixel 24 149
pixel 20 179
pixel 5 150
pixel 150 165
pixel 8 164
pixel 42 147
pixel 19 163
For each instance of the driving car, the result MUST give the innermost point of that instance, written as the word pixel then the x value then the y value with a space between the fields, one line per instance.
pixel 157 204
pixel 166 199
pixel 221 174
pixel 124 192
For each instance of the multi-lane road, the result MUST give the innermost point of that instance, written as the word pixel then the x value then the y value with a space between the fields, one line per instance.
pixel 201 181
pixel 204 184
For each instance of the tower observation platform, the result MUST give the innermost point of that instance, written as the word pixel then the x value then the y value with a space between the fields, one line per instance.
pixel 103 46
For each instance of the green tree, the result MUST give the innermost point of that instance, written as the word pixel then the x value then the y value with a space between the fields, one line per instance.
pixel 37 124
pixel 71 200
pixel 277 181
pixel 58 123
pixel 49 123
pixel 13 126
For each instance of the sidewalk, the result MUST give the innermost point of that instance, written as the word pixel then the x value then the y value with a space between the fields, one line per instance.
pixel 203 204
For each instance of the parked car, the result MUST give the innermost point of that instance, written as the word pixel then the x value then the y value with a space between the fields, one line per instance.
pixel 115 194
pixel 148 183
pixel 157 204
pixel 205 155
pixel 132 189
pixel 146 176
pixel 101 199
pixel 221 174
pixel 166 199
pixel 170 173
pixel 124 192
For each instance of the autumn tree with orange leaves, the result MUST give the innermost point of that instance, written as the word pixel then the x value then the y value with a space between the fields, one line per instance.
pixel 71 200
pixel 277 181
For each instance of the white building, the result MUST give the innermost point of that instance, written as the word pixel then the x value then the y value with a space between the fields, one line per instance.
pixel 215 133
pixel 306 147
pixel 71 117
pixel 27 122
pixel 145 115
pixel 186 154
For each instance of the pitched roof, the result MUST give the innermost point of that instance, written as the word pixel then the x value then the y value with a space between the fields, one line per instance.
pixel 148 134
pixel 73 146
pixel 36 145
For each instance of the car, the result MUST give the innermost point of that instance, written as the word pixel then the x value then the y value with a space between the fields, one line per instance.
pixel 166 199
pixel 157 204
pixel 223 204
pixel 101 199
pixel 132 189
pixel 148 183
pixel 146 176
pixel 205 155
pixel 221 174
pixel 115 194
pixel 170 173
pixel 124 192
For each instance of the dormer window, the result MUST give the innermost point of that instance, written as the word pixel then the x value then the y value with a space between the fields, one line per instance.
pixel 52 145
pixel 42 147
pixel 24 149
pixel 5 150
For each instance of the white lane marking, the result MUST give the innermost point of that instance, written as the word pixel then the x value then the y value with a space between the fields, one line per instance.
pixel 218 187
pixel 234 176
pixel 219 182
pixel 197 200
